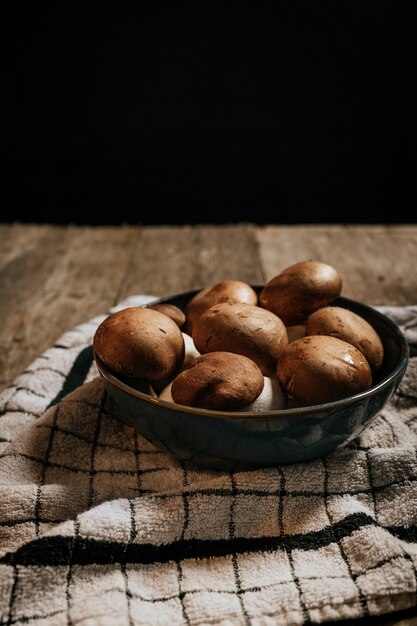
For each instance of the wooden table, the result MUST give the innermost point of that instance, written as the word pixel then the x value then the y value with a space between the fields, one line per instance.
pixel 54 277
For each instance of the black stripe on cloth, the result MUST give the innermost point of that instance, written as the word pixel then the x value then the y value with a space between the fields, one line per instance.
pixel 361 597
pixel 38 503
pixel 77 374
pixel 185 494
pixel 113 415
pixel 68 594
pixel 81 437
pixel 235 564
pixel 30 391
pixel 372 620
pixel 25 619
pixel 282 492
pixel 221 491
pixel 96 435
pixel 173 596
pixel 123 566
pixel 5 411
pixel 405 534
pixel 77 470
pixel 371 482
pixel 56 550
pixel 44 369
pixel 127 593
pixel 181 593
pixel 288 548
pixel 13 594
pixel 406 396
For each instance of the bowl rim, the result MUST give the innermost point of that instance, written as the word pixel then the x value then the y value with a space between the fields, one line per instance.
pixel 276 413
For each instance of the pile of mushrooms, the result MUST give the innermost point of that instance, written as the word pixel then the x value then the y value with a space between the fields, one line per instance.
pixel 234 350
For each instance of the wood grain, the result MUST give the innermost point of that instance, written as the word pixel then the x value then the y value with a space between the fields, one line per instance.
pixel 377 263
pixel 54 277
pixel 172 259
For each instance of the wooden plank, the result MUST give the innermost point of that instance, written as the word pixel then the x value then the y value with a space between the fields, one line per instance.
pixel 173 259
pixel 377 263
pixel 15 238
pixel 52 278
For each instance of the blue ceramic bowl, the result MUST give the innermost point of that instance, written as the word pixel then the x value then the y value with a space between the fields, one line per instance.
pixel 236 441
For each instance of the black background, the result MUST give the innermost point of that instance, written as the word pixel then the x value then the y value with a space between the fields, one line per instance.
pixel 201 113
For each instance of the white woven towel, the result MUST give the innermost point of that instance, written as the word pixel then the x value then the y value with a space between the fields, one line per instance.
pixel 97 527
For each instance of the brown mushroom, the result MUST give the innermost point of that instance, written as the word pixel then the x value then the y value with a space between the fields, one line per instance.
pixel 221 381
pixel 223 291
pixel 317 369
pixel 141 343
pixel 173 311
pixel 351 327
pixel 244 329
pixel 301 289
pixel 271 398
pixel 190 353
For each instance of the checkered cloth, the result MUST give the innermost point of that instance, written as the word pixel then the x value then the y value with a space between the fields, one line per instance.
pixel 98 527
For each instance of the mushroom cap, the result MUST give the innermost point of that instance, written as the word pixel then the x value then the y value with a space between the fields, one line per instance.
pixel 244 329
pixel 221 381
pixel 301 289
pixel 140 342
pixel 173 311
pixel 319 368
pixel 351 327
pixel 224 291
